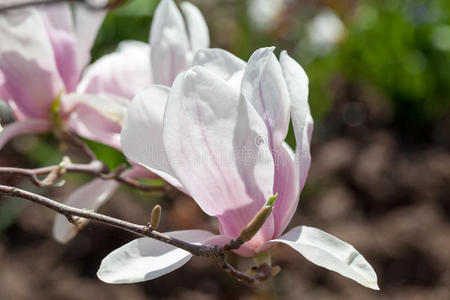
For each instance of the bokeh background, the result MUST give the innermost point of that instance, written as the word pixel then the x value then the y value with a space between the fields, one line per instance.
pixel 380 175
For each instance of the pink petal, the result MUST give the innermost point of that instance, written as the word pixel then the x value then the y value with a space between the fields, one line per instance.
pixel 58 22
pixel 22 127
pixel 287 187
pixel 97 117
pixel 146 259
pixel 122 73
pixel 263 85
pixel 138 171
pixel 27 62
pixel 142 140
pixel 169 42
pixel 89 196
pixel 211 138
pixel 196 25
pixel 3 94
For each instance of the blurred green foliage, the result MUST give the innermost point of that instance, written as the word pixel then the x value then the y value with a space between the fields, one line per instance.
pixel 402 48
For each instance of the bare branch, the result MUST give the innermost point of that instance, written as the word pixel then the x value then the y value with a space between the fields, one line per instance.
pixel 215 253
pixel 95 168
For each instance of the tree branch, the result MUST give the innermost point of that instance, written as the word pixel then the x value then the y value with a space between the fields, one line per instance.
pixel 95 168
pixel 216 253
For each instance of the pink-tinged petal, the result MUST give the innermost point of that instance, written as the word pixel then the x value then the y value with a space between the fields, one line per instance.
pixel 169 42
pixel 27 62
pixel 122 73
pixel 89 196
pixel 87 24
pixel 23 127
pixel 3 94
pixel 302 122
pixel 211 139
pixel 138 171
pixel 287 187
pixel 329 252
pixel 58 22
pixel 263 85
pixel 142 131
pixel 16 111
pixel 220 62
pixel 97 117
pixel 146 259
pixel 196 26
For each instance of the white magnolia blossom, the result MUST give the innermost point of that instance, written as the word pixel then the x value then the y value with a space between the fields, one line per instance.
pixel 218 135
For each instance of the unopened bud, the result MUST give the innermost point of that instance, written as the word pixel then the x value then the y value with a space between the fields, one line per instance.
pixel 258 221
pixel 156 216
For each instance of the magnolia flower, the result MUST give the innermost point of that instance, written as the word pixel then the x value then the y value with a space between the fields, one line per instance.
pixel 42 55
pixel 218 134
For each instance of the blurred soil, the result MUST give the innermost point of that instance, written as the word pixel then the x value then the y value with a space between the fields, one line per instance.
pixel 387 196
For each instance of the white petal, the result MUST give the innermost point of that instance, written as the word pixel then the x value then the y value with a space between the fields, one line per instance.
pixel 329 252
pixel 124 72
pixel 98 117
pixel 302 121
pixel 110 106
pixel 87 24
pixel 220 62
pixel 145 258
pixel 169 42
pixel 142 131
pixel 263 85
pixel 89 196
pixel 212 139
pixel 196 25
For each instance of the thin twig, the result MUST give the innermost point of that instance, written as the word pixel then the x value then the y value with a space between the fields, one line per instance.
pixel 214 252
pixel 95 168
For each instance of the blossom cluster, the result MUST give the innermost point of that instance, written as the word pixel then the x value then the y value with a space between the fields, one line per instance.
pixel 205 121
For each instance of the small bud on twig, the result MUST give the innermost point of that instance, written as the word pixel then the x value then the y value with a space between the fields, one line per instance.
pixel 258 221
pixel 156 217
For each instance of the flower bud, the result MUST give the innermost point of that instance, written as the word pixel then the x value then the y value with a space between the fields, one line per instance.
pixel 156 216
pixel 258 221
